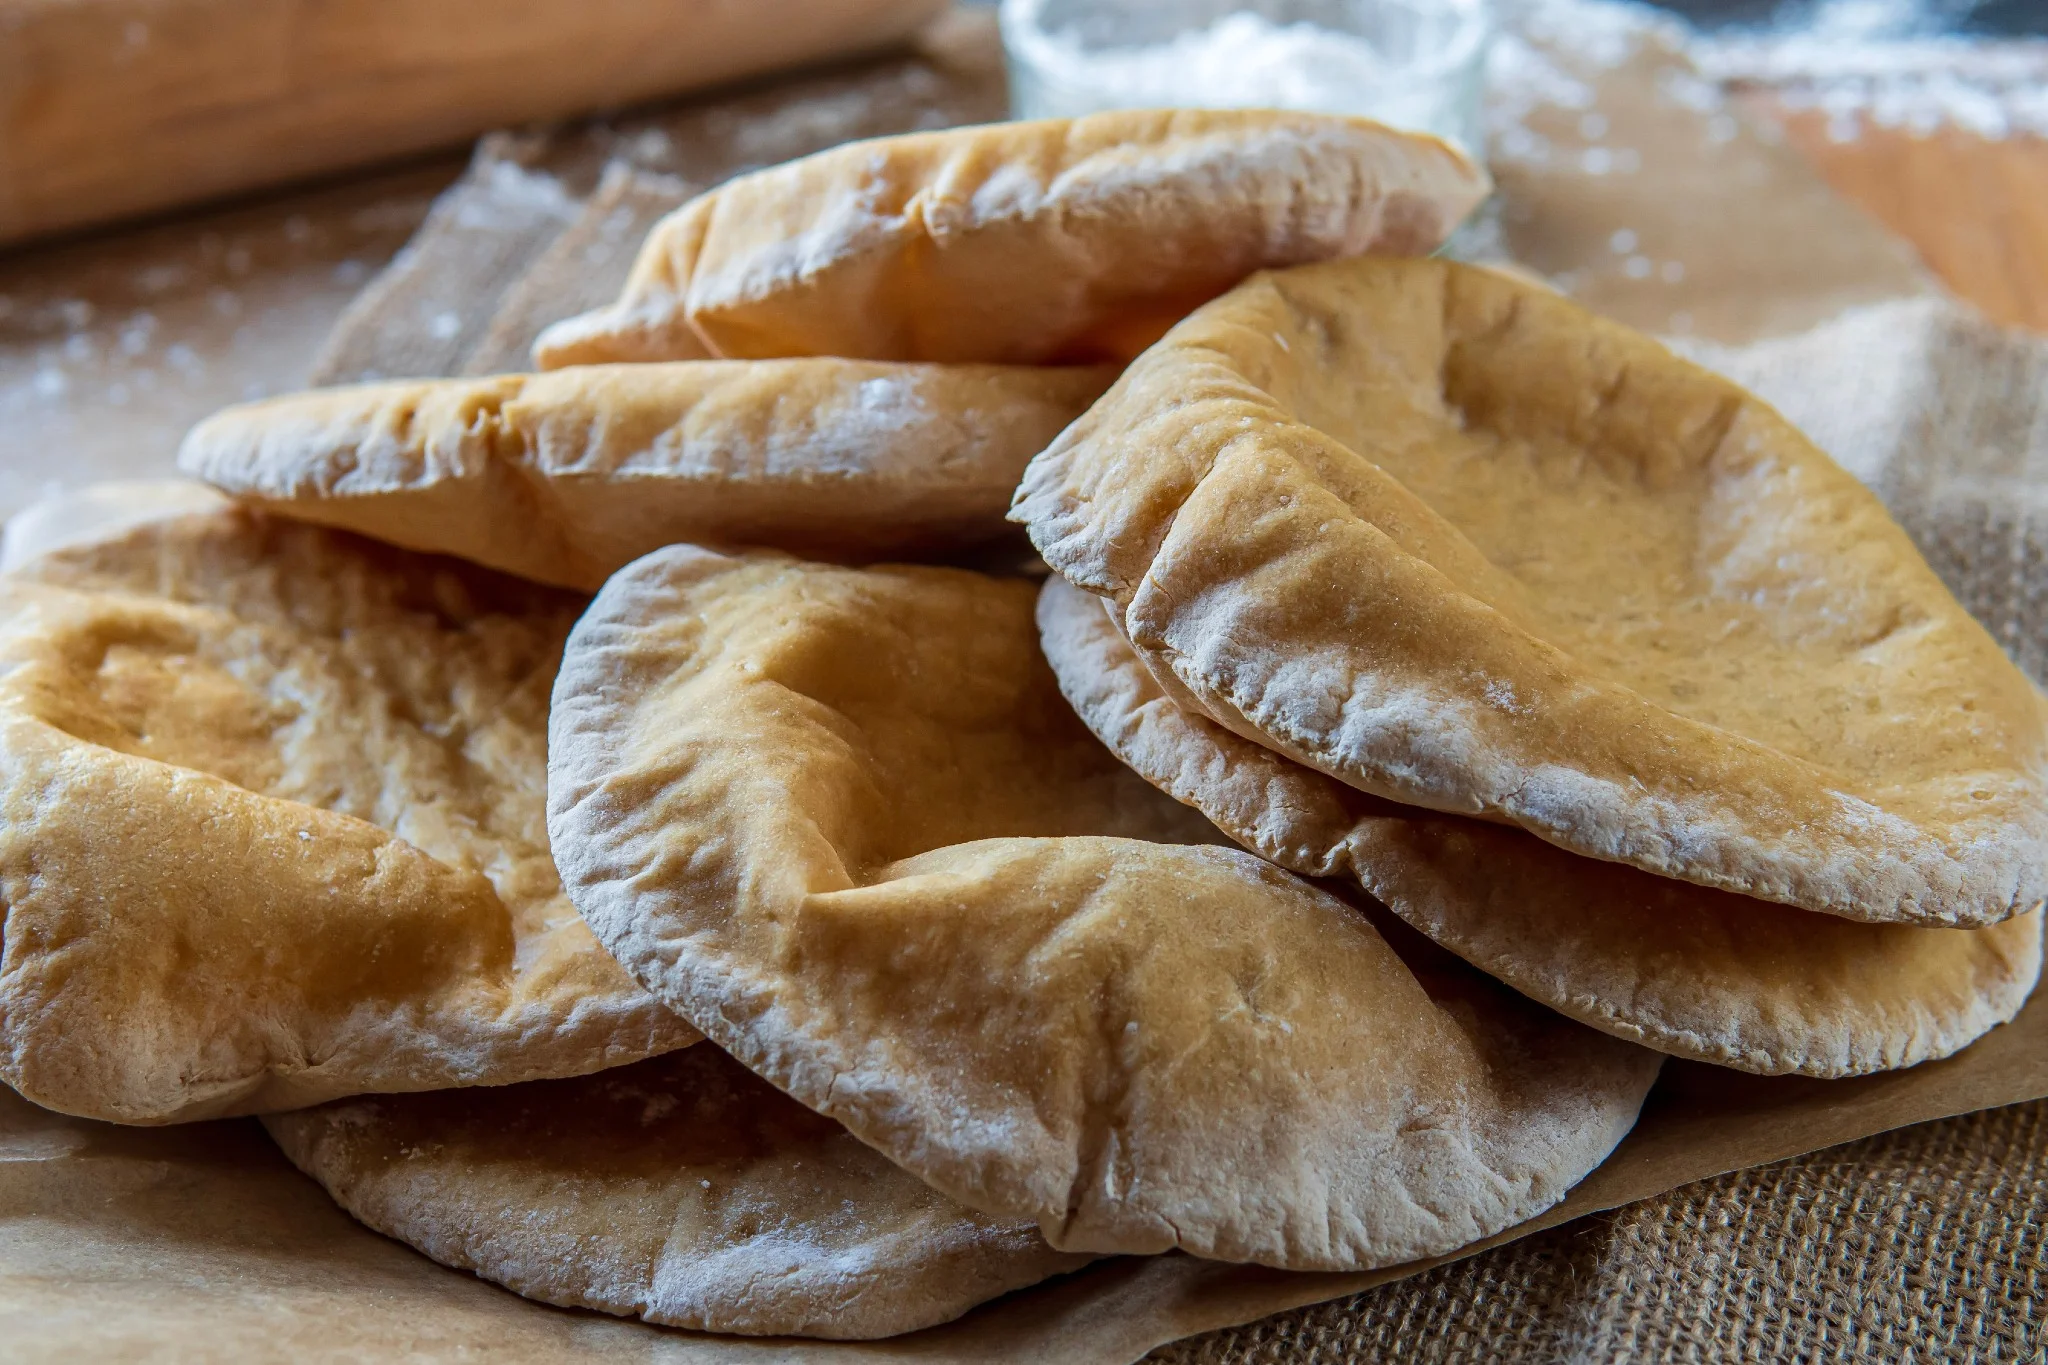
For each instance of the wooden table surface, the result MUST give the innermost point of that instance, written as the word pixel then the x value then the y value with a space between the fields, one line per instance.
pixel 1976 210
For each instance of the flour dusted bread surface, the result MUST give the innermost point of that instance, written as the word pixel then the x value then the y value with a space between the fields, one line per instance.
pixel 1685 969
pixel 1060 240
pixel 568 476
pixel 682 1190
pixel 844 821
pixel 1455 542
pixel 272 829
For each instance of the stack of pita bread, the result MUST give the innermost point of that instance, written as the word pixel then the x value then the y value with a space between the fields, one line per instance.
pixel 1443 704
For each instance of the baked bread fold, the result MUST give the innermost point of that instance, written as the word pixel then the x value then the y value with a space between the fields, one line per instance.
pixel 566 477
pixel 1455 542
pixel 1056 241
pixel 1684 969
pixel 272 829
pixel 843 821
pixel 682 1190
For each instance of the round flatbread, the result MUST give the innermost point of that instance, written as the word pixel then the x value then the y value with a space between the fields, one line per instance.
pixel 682 1190
pixel 98 511
pixel 272 829
pixel 1681 968
pixel 1458 543
pixel 1066 240
pixel 566 477
pixel 843 820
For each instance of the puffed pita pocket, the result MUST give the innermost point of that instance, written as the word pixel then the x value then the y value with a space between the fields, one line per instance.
pixel 682 1190
pixel 1458 543
pixel 272 829
pixel 566 477
pixel 1681 968
pixel 1064 240
pixel 844 822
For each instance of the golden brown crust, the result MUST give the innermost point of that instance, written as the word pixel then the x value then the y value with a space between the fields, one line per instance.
pixel 682 1190
pixel 1061 240
pixel 272 829
pixel 1458 543
pixel 566 477
pixel 843 820
pixel 1687 970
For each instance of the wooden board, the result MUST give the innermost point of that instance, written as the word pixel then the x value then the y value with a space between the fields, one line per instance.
pixel 1976 210
pixel 110 108
pixel 111 346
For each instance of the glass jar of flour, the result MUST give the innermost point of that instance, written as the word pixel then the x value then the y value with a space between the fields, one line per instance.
pixel 1417 64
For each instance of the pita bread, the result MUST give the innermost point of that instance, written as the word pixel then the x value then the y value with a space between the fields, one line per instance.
pixel 272 829
pixel 566 477
pixel 98 511
pixel 1067 240
pixel 1681 968
pixel 843 821
pixel 1460 544
pixel 682 1190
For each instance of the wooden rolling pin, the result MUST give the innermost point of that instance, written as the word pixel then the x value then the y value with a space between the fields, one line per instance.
pixel 111 108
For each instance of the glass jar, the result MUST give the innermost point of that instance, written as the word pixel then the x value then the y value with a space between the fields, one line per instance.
pixel 1417 64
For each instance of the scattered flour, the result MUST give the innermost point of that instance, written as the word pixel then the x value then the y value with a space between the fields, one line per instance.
pixel 1547 56
pixel 109 349
pixel 1242 59
pixel 513 198
pixel 1247 59
pixel 1888 62
pixel 1891 63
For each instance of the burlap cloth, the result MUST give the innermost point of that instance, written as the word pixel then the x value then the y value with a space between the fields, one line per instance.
pixel 1922 1244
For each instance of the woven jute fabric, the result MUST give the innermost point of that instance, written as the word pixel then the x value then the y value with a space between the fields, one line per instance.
pixel 1922 1245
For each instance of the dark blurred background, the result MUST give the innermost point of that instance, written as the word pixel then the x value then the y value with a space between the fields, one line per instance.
pixel 1907 18
pixel 1975 18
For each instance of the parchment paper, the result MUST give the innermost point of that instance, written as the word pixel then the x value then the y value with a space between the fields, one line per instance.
pixel 199 1243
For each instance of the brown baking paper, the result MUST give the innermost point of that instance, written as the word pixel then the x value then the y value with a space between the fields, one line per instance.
pixel 201 1243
